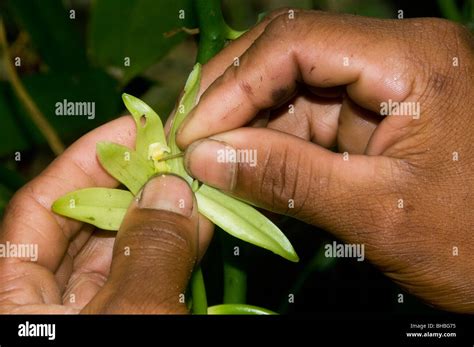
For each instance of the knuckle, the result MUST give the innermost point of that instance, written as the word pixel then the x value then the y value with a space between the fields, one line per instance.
pixel 283 24
pixel 157 239
pixel 246 89
pixel 466 40
pixel 13 208
pixel 431 67
pixel 24 197
pixel 283 179
pixel 130 300
pixel 456 37
pixel 276 13
pixel 452 29
pixel 284 11
pixel 270 179
pixel 159 248
pixel 391 205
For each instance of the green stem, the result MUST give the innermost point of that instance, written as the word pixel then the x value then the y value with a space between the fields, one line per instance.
pixel 211 41
pixel 212 29
pixel 198 292
pixel 235 284
pixel 235 276
pixel 213 32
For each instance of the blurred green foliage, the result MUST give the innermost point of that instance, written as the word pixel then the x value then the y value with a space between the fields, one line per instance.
pixel 139 30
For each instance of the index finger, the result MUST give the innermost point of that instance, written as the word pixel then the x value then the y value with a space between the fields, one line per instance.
pixel 217 65
pixel 315 48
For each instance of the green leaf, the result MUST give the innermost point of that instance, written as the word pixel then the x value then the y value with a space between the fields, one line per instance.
pixel 103 207
pixel 149 126
pixel 198 290
pixel 239 309
pixel 142 30
pixel 186 104
pixel 51 89
pixel 125 165
pixel 52 32
pixel 243 221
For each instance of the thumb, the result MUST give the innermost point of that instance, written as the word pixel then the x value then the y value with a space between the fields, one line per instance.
pixel 285 174
pixel 154 252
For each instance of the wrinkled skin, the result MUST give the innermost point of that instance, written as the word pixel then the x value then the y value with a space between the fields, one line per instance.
pixel 427 246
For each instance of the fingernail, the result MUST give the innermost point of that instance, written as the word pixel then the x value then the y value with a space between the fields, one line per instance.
pixel 167 193
pixel 210 161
